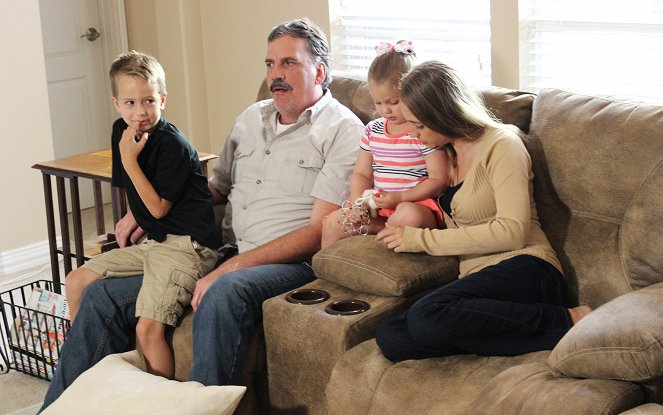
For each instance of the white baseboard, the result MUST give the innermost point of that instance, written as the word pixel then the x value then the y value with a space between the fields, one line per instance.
pixel 25 258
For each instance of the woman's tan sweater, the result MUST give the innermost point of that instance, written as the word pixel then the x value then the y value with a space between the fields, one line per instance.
pixel 493 215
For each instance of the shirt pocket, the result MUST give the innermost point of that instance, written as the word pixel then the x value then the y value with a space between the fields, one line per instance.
pixel 241 161
pixel 299 173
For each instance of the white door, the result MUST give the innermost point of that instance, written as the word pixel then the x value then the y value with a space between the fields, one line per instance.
pixel 81 113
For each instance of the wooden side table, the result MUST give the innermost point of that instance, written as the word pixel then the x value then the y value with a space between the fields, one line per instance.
pixel 95 166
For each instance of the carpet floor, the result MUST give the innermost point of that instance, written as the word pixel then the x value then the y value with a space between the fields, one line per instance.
pixel 21 394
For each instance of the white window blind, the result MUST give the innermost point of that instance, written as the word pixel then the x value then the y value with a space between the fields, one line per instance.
pixel 455 32
pixel 593 46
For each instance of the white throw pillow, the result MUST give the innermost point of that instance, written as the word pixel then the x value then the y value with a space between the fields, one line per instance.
pixel 117 385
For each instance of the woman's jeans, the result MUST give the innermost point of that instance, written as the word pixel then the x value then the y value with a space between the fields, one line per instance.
pixel 510 308
pixel 228 314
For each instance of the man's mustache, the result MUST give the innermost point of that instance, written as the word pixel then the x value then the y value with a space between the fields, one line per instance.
pixel 279 84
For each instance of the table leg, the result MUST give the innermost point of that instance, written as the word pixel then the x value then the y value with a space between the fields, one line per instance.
pixel 78 228
pixel 64 225
pixel 119 203
pixel 204 168
pixel 50 225
pixel 99 208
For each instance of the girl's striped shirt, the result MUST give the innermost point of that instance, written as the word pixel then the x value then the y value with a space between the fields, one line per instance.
pixel 398 160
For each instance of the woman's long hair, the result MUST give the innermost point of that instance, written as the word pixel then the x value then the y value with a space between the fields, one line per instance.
pixel 440 99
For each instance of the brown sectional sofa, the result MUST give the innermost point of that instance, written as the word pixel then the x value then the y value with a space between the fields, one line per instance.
pixel 598 165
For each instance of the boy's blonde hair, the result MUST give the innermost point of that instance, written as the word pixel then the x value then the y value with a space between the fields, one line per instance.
pixel 392 63
pixel 138 64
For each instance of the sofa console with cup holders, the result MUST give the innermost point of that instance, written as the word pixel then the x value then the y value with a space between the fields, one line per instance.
pixel 598 166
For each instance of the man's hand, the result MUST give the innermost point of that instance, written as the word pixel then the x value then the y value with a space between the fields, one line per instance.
pixel 232 264
pixel 201 288
pixel 127 231
pixel 392 236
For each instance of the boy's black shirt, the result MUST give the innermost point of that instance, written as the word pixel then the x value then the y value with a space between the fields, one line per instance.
pixel 172 165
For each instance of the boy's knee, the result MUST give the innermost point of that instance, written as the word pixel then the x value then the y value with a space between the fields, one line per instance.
pixel 77 280
pixel 75 276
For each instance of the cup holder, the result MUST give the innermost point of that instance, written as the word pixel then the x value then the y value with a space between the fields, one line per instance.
pixel 307 296
pixel 347 307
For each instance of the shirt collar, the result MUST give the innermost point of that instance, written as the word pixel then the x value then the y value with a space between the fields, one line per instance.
pixel 268 112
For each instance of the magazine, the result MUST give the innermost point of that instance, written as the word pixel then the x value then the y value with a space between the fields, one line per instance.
pixel 40 329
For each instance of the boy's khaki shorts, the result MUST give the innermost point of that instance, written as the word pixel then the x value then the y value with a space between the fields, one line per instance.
pixel 170 268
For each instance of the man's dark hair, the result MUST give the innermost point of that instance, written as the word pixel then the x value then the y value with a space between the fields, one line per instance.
pixel 318 48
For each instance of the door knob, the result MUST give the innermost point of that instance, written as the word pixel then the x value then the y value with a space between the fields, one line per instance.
pixel 92 34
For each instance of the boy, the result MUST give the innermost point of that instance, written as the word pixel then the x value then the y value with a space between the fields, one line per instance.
pixel 169 199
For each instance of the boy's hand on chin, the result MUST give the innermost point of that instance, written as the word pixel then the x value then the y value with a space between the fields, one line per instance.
pixel 132 143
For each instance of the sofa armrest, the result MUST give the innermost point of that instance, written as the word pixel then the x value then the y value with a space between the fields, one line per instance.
pixel 304 341
pixel 362 264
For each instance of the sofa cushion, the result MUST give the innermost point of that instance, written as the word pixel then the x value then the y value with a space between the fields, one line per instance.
pixel 623 339
pixel 118 385
pixel 365 382
pixel 532 388
pixel 597 180
pixel 509 106
pixel 365 265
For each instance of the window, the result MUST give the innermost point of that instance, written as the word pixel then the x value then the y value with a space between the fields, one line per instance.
pixel 593 46
pixel 455 32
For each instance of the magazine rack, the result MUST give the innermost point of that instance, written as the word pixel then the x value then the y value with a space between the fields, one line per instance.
pixel 30 339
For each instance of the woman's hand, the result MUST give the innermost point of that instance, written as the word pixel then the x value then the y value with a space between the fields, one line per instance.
pixel 392 236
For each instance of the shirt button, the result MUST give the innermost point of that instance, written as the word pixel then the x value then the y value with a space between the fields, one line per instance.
pixel 258 181
pixel 301 161
pixel 244 206
pixel 239 239
pixel 267 152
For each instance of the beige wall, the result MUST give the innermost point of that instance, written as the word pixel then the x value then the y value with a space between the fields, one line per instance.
pixel 171 31
pixel 213 52
pixel 234 42
pixel 504 34
pixel 26 129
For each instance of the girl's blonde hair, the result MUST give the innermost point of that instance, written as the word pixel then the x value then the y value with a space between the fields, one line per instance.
pixel 392 63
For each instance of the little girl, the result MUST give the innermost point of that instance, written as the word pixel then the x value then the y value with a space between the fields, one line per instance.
pixel 403 171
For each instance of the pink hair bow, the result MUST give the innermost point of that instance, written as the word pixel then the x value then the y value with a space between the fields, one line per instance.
pixel 400 47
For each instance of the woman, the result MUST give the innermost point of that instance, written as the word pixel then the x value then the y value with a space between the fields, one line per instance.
pixel 509 297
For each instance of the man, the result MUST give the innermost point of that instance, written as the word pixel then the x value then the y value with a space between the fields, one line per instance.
pixel 285 165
